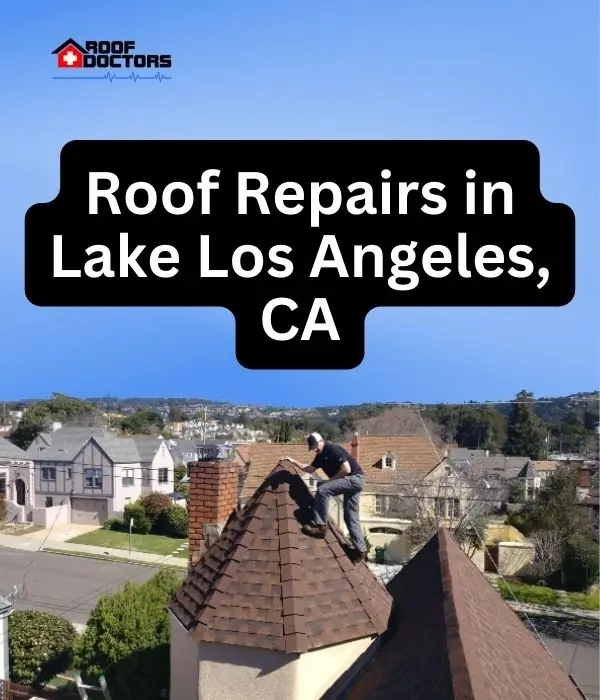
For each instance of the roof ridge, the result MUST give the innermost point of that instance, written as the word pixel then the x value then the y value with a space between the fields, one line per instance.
pixel 459 666
pixel 262 582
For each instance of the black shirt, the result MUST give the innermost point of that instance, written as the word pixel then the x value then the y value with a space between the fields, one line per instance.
pixel 331 459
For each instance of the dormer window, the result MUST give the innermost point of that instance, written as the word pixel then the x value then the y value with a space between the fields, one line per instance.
pixel 388 461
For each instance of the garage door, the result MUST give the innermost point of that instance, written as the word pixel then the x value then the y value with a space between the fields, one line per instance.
pixel 89 511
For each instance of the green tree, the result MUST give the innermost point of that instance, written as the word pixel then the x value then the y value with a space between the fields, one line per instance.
pixel 281 431
pixel 39 646
pixel 141 522
pixel 556 508
pixel 39 415
pixel 143 422
pixel 582 562
pixel 516 491
pixel 177 414
pixel 174 522
pixel 127 638
pixel 525 433
pixel 180 473
pixel 154 505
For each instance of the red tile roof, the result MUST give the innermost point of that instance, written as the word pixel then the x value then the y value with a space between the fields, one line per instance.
pixel 452 636
pixel 415 458
pixel 265 584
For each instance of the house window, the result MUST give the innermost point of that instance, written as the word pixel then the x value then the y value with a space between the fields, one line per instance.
pixel 379 504
pixel 163 476
pixel 49 501
pixel 48 474
pixel 69 473
pixel 388 461
pixel 393 503
pixel 440 507
pixel 2 485
pixel 92 478
pixel 127 477
pixel 455 507
pixel 145 476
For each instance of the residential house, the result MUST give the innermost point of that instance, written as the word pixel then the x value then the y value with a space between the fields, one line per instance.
pixel 158 463
pixel 268 612
pixel 394 467
pixel 89 474
pixel 16 481
pixel 496 470
pixel 183 451
pixel 542 469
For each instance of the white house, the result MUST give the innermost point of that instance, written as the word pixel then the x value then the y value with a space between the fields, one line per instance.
pixel 16 481
pixel 92 474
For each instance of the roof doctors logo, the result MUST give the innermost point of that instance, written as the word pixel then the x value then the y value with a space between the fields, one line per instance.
pixel 118 60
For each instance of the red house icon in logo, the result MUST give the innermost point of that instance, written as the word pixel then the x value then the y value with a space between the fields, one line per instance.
pixel 70 54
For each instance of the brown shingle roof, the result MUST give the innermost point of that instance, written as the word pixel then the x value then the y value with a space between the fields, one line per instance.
pixel 415 457
pixel 265 584
pixel 545 465
pixel 452 636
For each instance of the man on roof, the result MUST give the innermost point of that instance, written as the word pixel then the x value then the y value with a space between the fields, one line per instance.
pixel 346 478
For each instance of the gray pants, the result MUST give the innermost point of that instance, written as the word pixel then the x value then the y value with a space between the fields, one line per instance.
pixel 349 487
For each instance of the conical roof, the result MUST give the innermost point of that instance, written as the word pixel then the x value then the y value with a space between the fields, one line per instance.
pixel 452 636
pixel 267 585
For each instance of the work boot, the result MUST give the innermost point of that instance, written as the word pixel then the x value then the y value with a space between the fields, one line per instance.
pixel 314 530
pixel 356 556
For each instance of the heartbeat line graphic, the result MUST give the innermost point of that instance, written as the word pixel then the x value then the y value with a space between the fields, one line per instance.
pixel 111 77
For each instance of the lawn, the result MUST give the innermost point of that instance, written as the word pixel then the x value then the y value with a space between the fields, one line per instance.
pixel 153 544
pixel 585 601
pixel 524 593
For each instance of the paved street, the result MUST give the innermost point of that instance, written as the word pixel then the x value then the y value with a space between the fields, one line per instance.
pixel 581 660
pixel 64 585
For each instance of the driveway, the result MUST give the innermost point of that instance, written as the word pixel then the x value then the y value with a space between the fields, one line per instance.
pixel 60 533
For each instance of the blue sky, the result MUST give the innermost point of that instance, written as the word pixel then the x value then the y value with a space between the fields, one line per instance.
pixel 267 69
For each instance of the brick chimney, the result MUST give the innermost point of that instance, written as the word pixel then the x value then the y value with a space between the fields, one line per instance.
pixel 355 447
pixel 213 496
pixel 583 478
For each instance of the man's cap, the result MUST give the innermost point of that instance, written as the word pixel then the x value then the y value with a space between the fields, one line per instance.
pixel 313 440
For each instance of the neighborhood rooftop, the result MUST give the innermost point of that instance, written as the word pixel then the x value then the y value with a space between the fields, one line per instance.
pixel 63 445
pixel 415 456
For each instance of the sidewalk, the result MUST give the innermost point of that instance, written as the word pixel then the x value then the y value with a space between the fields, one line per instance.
pixel 567 613
pixel 30 544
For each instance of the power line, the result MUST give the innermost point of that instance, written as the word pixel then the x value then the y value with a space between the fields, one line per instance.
pixel 482 545
pixel 23 585
pixel 485 482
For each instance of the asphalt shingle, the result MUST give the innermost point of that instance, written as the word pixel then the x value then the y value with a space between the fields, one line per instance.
pixel 415 458
pixel 452 636
pixel 10 451
pixel 265 584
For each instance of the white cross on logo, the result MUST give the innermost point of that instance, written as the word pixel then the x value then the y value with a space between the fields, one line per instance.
pixel 70 58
